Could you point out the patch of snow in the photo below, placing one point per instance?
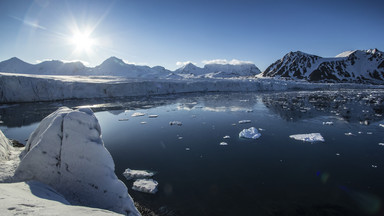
(36, 198)
(250, 133)
(145, 185)
(137, 174)
(66, 152)
(311, 137)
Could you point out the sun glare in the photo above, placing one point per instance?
(82, 41)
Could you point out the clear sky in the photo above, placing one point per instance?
(164, 32)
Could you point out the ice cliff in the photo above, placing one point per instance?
(67, 152)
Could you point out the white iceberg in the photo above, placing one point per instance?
(250, 133)
(311, 137)
(226, 137)
(145, 185)
(67, 153)
(137, 174)
(223, 143)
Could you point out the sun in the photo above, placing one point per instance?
(82, 41)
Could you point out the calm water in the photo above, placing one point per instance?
(273, 175)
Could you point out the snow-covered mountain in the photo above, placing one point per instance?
(215, 70)
(51, 67)
(359, 66)
(117, 67)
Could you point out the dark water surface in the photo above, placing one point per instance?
(273, 175)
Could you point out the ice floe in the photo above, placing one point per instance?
(137, 114)
(311, 137)
(244, 121)
(349, 134)
(328, 123)
(223, 143)
(226, 137)
(145, 185)
(250, 133)
(381, 125)
(137, 174)
(175, 123)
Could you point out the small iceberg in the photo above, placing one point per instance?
(244, 121)
(223, 143)
(328, 123)
(250, 133)
(311, 137)
(152, 116)
(175, 123)
(137, 114)
(226, 137)
(145, 185)
(137, 174)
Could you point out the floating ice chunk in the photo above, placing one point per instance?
(244, 121)
(152, 116)
(123, 119)
(137, 114)
(175, 123)
(261, 129)
(223, 143)
(143, 122)
(381, 144)
(250, 133)
(328, 123)
(369, 133)
(374, 166)
(145, 185)
(187, 149)
(226, 137)
(337, 154)
(137, 174)
(349, 134)
(381, 125)
(311, 137)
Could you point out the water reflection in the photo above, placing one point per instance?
(350, 105)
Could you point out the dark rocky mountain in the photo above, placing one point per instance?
(359, 66)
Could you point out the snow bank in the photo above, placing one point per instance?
(311, 137)
(5, 147)
(145, 185)
(35, 198)
(67, 153)
(250, 133)
(136, 174)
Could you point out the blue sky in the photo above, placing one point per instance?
(164, 32)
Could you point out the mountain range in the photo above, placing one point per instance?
(117, 67)
(358, 66)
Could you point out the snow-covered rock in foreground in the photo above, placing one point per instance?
(67, 153)
(35, 198)
(136, 174)
(250, 133)
(311, 137)
(145, 185)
